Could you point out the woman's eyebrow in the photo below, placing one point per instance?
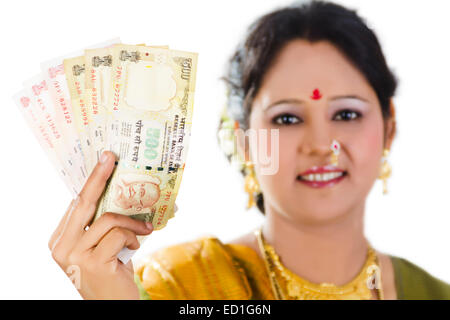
(299, 101)
(293, 100)
(356, 97)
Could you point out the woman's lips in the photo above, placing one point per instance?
(322, 170)
(322, 184)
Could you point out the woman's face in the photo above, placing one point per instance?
(344, 108)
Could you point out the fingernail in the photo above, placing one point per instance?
(104, 158)
(149, 225)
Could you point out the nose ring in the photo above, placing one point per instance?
(336, 148)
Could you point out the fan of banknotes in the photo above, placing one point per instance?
(134, 100)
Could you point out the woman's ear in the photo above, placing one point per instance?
(390, 127)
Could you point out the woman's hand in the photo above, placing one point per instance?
(89, 257)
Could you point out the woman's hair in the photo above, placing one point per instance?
(312, 21)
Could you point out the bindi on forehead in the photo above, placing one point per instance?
(316, 95)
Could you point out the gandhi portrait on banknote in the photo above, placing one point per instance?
(136, 191)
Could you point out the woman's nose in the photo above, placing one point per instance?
(316, 141)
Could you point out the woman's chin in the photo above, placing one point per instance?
(316, 214)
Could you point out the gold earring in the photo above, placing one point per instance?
(385, 171)
(336, 148)
(251, 185)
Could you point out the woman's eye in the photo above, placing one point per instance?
(347, 115)
(285, 119)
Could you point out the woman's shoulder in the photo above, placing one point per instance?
(202, 268)
(413, 282)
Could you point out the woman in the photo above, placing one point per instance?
(316, 74)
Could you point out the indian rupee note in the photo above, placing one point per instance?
(38, 89)
(74, 69)
(55, 77)
(54, 74)
(149, 118)
(37, 125)
(98, 64)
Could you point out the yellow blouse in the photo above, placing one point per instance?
(208, 269)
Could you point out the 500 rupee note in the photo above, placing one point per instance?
(98, 65)
(149, 117)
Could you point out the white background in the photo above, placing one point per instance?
(412, 221)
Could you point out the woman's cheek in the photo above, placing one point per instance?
(284, 153)
(267, 145)
(367, 150)
(288, 147)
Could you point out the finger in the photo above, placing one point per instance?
(64, 226)
(111, 244)
(62, 222)
(88, 198)
(106, 223)
(94, 186)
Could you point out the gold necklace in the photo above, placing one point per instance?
(301, 289)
